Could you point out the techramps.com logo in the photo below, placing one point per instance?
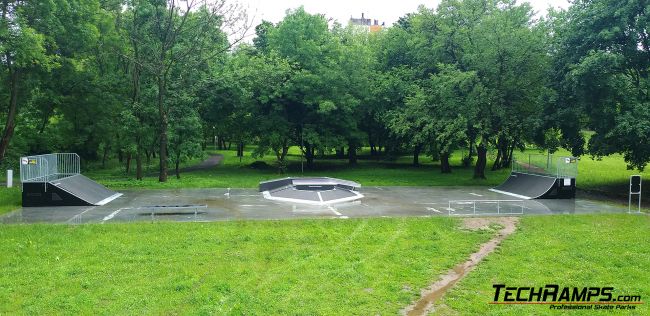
(565, 298)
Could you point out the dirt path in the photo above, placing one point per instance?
(435, 291)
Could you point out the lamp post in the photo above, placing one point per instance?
(214, 137)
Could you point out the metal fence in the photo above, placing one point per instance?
(486, 207)
(557, 166)
(44, 168)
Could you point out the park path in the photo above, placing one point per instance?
(430, 295)
(212, 161)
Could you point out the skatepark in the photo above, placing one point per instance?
(54, 191)
(202, 205)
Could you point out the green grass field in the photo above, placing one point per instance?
(607, 174)
(239, 174)
(334, 267)
(9, 199)
(576, 250)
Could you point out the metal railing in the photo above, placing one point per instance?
(45, 168)
(556, 166)
(486, 207)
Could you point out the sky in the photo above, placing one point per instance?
(341, 10)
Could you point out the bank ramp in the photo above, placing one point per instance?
(55, 180)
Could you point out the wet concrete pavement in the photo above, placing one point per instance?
(189, 205)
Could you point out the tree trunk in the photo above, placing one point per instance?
(371, 143)
(352, 155)
(309, 155)
(508, 161)
(10, 123)
(340, 153)
(280, 156)
(470, 153)
(416, 154)
(104, 157)
(481, 161)
(240, 149)
(128, 163)
(497, 162)
(138, 166)
(445, 167)
(162, 112)
(178, 171)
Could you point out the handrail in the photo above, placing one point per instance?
(474, 202)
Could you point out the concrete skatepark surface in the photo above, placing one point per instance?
(204, 205)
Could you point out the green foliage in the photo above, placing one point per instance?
(603, 62)
(124, 78)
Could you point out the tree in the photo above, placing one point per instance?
(318, 103)
(602, 56)
(180, 37)
(499, 41)
(25, 54)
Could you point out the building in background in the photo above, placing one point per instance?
(372, 25)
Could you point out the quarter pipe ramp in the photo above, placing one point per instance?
(533, 186)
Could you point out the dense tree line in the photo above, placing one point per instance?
(154, 79)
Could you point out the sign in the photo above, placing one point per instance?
(635, 189)
(570, 160)
(635, 184)
(28, 161)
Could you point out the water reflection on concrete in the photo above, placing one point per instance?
(198, 205)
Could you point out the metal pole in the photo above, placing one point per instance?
(629, 202)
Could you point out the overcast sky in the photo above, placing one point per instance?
(341, 10)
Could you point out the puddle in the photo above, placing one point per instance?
(435, 291)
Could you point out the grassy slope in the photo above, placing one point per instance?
(584, 250)
(265, 267)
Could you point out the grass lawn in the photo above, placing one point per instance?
(608, 174)
(365, 266)
(9, 199)
(576, 250)
(239, 174)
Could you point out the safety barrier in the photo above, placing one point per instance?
(45, 168)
